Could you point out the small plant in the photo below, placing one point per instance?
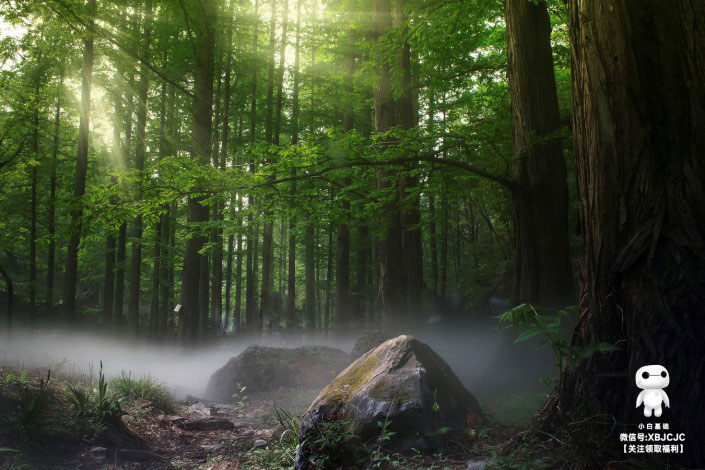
(239, 398)
(290, 423)
(28, 425)
(541, 322)
(126, 387)
(96, 405)
(333, 445)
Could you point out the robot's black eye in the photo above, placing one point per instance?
(664, 374)
(645, 375)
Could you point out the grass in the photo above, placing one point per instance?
(128, 388)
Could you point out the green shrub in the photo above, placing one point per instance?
(126, 387)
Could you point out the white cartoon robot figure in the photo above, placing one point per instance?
(652, 380)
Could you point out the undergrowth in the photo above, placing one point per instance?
(126, 387)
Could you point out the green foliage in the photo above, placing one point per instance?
(11, 378)
(551, 326)
(125, 387)
(290, 424)
(29, 425)
(95, 405)
(333, 444)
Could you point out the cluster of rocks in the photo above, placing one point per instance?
(399, 381)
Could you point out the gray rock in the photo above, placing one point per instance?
(207, 423)
(199, 409)
(97, 452)
(399, 381)
(212, 448)
(477, 465)
(260, 444)
(367, 341)
(263, 368)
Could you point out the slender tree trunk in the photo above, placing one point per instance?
(133, 309)
(51, 224)
(309, 272)
(250, 289)
(342, 246)
(166, 264)
(543, 274)
(268, 232)
(71, 270)
(218, 253)
(33, 204)
(237, 314)
(290, 309)
(159, 249)
(639, 147)
(444, 248)
(329, 275)
(10, 299)
(433, 246)
(121, 262)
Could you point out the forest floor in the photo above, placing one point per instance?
(52, 434)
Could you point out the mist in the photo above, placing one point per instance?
(472, 351)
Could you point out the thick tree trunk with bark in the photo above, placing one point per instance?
(195, 266)
(71, 270)
(542, 269)
(639, 126)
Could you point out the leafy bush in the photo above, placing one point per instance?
(550, 326)
(29, 424)
(126, 387)
(333, 445)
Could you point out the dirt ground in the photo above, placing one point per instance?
(166, 442)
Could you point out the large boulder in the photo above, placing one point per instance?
(402, 383)
(264, 368)
(367, 341)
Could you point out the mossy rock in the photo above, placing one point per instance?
(264, 369)
(367, 341)
(403, 382)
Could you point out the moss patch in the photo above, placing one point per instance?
(347, 384)
(388, 391)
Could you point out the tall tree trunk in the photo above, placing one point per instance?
(71, 270)
(639, 132)
(195, 266)
(392, 292)
(218, 253)
(159, 249)
(342, 246)
(250, 290)
(268, 231)
(166, 264)
(121, 261)
(543, 274)
(410, 202)
(51, 224)
(133, 308)
(290, 308)
(33, 202)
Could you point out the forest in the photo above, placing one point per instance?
(247, 221)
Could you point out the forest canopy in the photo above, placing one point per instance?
(271, 164)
